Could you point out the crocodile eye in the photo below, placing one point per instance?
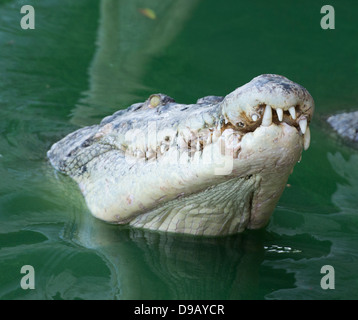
(154, 102)
(240, 124)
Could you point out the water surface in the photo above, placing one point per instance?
(85, 60)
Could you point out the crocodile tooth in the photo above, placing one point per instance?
(307, 139)
(303, 125)
(150, 154)
(219, 125)
(162, 148)
(267, 118)
(215, 136)
(279, 112)
(181, 143)
(292, 112)
(198, 144)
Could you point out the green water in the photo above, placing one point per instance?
(85, 60)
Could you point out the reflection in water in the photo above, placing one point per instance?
(126, 42)
(345, 197)
(153, 265)
(338, 235)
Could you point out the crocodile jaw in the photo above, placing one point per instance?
(273, 152)
(245, 198)
(187, 197)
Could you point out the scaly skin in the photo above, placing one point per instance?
(215, 167)
(346, 125)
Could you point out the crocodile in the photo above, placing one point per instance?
(216, 167)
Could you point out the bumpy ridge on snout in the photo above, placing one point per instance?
(270, 99)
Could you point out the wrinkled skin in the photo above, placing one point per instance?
(213, 168)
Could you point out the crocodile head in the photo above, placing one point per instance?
(212, 168)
